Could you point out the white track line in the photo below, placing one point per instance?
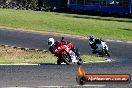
(17, 87)
(71, 86)
(129, 41)
(108, 40)
(18, 64)
(108, 60)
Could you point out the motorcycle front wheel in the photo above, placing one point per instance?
(107, 52)
(80, 62)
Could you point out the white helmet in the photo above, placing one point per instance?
(51, 41)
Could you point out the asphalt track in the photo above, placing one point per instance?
(61, 75)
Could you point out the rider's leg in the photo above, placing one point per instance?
(73, 56)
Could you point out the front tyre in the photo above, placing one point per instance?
(80, 62)
(107, 52)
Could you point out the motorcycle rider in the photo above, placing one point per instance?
(94, 43)
(63, 41)
(52, 43)
(73, 49)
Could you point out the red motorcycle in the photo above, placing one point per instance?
(62, 52)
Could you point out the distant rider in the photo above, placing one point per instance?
(94, 43)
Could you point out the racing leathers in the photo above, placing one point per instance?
(61, 43)
(94, 44)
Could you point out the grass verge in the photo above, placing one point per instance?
(102, 27)
(88, 59)
(15, 56)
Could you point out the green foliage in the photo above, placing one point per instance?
(32, 3)
(87, 58)
(102, 27)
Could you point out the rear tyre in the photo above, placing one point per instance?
(93, 52)
(59, 61)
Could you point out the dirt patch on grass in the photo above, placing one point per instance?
(10, 55)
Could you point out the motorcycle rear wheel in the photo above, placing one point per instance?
(59, 61)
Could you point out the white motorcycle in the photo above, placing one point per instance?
(101, 49)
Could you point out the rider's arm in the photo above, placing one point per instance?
(51, 49)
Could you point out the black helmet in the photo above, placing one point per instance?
(92, 38)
